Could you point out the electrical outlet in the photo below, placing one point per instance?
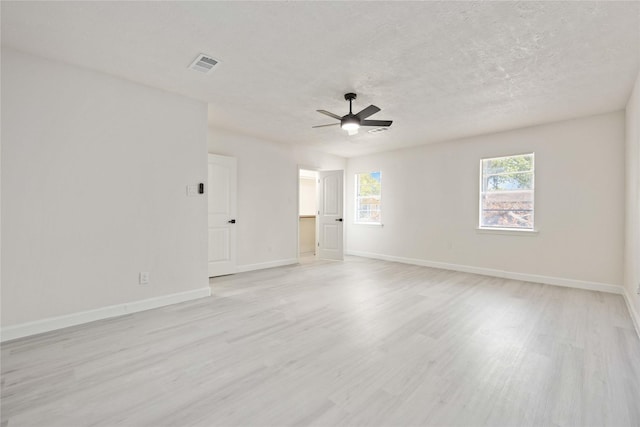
(144, 278)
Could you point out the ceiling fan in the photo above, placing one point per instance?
(352, 122)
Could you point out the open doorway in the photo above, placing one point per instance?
(307, 212)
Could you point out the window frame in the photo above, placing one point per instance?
(508, 230)
(357, 196)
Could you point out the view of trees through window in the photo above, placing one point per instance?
(368, 187)
(506, 194)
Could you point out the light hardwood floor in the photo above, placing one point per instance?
(362, 342)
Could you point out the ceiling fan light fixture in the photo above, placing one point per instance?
(350, 123)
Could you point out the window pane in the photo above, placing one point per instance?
(509, 181)
(368, 186)
(512, 209)
(506, 197)
(522, 163)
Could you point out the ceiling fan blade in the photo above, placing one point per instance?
(370, 110)
(324, 126)
(379, 123)
(335, 116)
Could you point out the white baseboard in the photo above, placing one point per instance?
(59, 322)
(263, 265)
(635, 316)
(557, 281)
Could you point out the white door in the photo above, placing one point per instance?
(222, 215)
(330, 218)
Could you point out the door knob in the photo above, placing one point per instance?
(232, 221)
(339, 219)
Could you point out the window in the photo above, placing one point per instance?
(506, 192)
(368, 197)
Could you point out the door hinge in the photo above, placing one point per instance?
(318, 244)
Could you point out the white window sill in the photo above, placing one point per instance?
(507, 231)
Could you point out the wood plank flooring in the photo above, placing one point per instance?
(363, 342)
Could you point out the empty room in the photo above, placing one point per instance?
(320, 213)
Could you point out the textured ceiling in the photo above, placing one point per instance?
(440, 70)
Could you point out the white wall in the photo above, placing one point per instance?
(632, 223)
(267, 194)
(430, 202)
(94, 170)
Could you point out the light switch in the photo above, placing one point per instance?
(144, 278)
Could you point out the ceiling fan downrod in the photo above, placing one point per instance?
(350, 97)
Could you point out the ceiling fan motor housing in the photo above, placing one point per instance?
(350, 122)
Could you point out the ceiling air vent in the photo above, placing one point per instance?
(204, 64)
